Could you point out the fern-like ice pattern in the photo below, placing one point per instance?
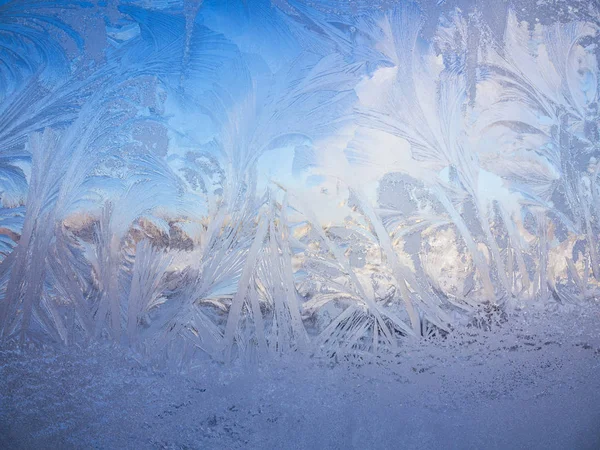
(241, 179)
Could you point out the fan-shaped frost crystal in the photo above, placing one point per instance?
(249, 178)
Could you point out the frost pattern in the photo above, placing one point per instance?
(238, 179)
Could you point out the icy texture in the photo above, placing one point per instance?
(237, 179)
(531, 383)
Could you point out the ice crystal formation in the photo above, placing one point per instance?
(234, 179)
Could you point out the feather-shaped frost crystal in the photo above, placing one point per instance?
(239, 179)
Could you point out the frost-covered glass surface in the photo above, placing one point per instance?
(238, 178)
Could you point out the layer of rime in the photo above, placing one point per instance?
(210, 179)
